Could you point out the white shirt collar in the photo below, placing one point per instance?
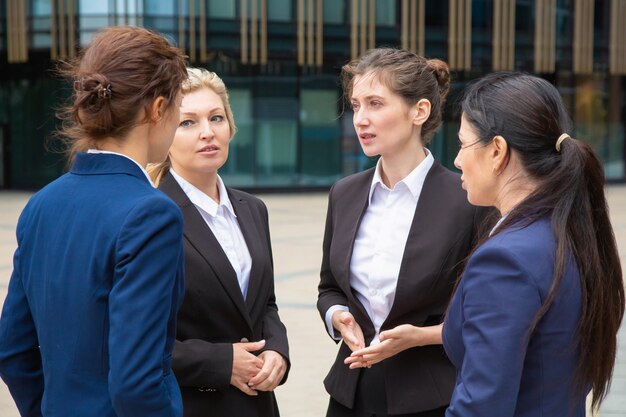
(125, 156)
(414, 181)
(201, 199)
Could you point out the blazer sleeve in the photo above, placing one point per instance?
(148, 257)
(499, 301)
(202, 364)
(20, 358)
(329, 292)
(274, 331)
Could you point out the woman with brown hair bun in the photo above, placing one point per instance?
(88, 324)
(395, 239)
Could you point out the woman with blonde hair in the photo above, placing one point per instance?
(231, 348)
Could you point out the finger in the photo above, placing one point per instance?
(246, 389)
(252, 346)
(260, 376)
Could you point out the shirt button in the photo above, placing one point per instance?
(244, 340)
(373, 293)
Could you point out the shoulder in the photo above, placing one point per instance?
(351, 186)
(254, 202)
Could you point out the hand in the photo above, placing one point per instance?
(394, 341)
(274, 367)
(350, 330)
(246, 365)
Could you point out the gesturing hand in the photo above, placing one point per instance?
(394, 341)
(246, 365)
(350, 330)
(274, 367)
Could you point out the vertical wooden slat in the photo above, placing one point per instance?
(468, 35)
(539, 40)
(552, 43)
(62, 30)
(363, 22)
(71, 16)
(181, 26)
(421, 49)
(371, 35)
(244, 31)
(511, 63)
(254, 32)
(497, 34)
(354, 33)
(202, 28)
(301, 43)
(577, 36)
(263, 32)
(309, 33)
(192, 30)
(413, 27)
(452, 35)
(622, 45)
(53, 30)
(613, 51)
(10, 30)
(404, 31)
(319, 47)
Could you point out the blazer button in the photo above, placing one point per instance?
(244, 340)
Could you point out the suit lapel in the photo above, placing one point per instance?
(255, 243)
(423, 229)
(203, 240)
(351, 210)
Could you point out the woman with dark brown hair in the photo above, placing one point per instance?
(533, 323)
(88, 325)
(394, 241)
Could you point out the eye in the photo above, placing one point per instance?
(185, 123)
(217, 118)
(354, 106)
(376, 103)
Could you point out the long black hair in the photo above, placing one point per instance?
(529, 114)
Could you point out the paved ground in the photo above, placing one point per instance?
(297, 227)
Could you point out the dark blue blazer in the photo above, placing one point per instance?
(502, 371)
(88, 325)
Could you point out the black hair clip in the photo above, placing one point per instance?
(105, 92)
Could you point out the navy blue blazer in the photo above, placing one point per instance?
(502, 371)
(88, 325)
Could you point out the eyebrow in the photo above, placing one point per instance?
(370, 97)
(193, 113)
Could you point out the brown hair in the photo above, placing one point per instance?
(408, 75)
(122, 71)
(199, 78)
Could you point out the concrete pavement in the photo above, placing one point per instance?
(297, 223)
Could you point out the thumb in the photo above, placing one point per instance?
(253, 346)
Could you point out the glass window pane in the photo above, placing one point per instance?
(222, 9)
(161, 7)
(385, 12)
(334, 11)
(279, 10)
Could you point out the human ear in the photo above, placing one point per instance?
(499, 154)
(421, 112)
(157, 110)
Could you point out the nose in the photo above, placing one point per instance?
(360, 117)
(457, 161)
(205, 130)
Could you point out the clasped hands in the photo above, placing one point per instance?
(253, 373)
(392, 341)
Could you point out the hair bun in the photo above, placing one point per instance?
(96, 85)
(442, 74)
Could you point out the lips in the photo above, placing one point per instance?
(366, 136)
(208, 148)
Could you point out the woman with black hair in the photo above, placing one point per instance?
(533, 322)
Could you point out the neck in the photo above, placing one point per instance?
(205, 182)
(134, 145)
(510, 198)
(396, 167)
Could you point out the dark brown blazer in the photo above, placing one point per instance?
(214, 314)
(439, 239)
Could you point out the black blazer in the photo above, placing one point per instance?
(214, 314)
(439, 239)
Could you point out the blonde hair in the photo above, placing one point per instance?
(199, 78)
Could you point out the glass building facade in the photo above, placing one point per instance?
(281, 61)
